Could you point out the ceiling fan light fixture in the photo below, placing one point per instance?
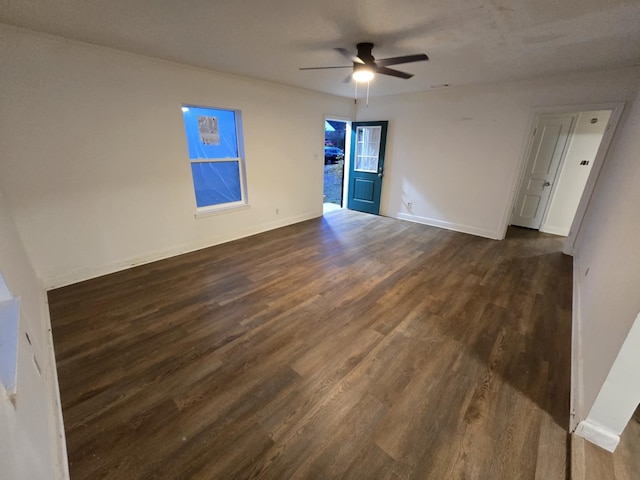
(365, 66)
(363, 74)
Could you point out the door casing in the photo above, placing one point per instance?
(617, 109)
(541, 184)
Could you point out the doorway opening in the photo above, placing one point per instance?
(336, 139)
(565, 153)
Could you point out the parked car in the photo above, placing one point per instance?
(332, 155)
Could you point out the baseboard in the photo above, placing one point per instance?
(576, 413)
(598, 435)
(58, 281)
(56, 423)
(456, 227)
(563, 232)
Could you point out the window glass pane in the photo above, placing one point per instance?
(367, 149)
(211, 133)
(216, 183)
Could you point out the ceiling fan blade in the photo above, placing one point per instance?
(347, 54)
(393, 73)
(385, 62)
(324, 68)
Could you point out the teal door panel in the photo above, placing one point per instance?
(366, 168)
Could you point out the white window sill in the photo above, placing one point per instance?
(220, 211)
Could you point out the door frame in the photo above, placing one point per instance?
(617, 109)
(563, 155)
(347, 154)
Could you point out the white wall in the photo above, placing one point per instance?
(572, 178)
(31, 435)
(607, 277)
(620, 394)
(456, 154)
(95, 162)
(618, 398)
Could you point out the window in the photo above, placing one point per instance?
(9, 318)
(214, 138)
(367, 148)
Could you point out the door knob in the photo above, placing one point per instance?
(380, 174)
(546, 184)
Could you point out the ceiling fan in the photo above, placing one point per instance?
(365, 66)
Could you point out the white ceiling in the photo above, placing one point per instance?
(468, 41)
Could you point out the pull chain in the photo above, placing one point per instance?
(368, 83)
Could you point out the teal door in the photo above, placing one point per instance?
(366, 168)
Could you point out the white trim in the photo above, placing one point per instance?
(242, 164)
(518, 172)
(553, 230)
(347, 165)
(598, 435)
(616, 111)
(614, 120)
(209, 210)
(76, 276)
(456, 227)
(538, 117)
(56, 422)
(577, 370)
(556, 176)
(357, 153)
(215, 160)
(204, 212)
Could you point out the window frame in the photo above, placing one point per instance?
(360, 148)
(208, 210)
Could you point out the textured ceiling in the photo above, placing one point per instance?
(468, 41)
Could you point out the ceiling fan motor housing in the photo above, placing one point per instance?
(364, 53)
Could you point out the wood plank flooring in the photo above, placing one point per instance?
(590, 462)
(351, 346)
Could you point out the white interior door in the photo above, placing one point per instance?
(549, 143)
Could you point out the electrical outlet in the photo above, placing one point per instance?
(277, 211)
(409, 205)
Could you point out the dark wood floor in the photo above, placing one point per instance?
(352, 346)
